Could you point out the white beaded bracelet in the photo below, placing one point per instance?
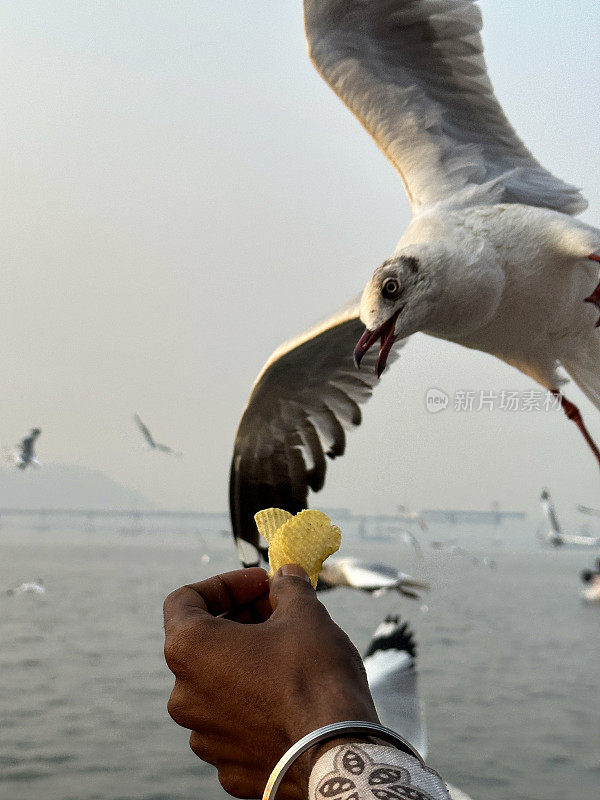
(333, 731)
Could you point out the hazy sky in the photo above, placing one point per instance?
(182, 192)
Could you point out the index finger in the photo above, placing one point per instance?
(215, 595)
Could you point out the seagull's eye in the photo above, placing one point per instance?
(390, 289)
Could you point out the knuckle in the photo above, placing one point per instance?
(178, 646)
(201, 746)
(171, 600)
(177, 707)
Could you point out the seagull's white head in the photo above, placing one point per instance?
(398, 301)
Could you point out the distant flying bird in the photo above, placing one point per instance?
(149, 438)
(456, 550)
(593, 512)
(412, 516)
(23, 455)
(31, 587)
(406, 536)
(493, 258)
(375, 578)
(553, 534)
(391, 666)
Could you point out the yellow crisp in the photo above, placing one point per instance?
(269, 520)
(306, 539)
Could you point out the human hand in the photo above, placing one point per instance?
(249, 691)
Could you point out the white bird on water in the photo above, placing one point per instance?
(493, 258)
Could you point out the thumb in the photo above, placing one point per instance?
(290, 585)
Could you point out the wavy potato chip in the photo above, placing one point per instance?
(306, 539)
(269, 520)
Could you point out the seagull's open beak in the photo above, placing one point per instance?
(386, 333)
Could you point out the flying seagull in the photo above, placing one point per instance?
(374, 578)
(391, 666)
(493, 258)
(412, 516)
(406, 536)
(149, 438)
(29, 587)
(553, 534)
(390, 662)
(593, 512)
(23, 455)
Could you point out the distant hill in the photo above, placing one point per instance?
(66, 486)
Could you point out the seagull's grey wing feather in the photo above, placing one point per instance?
(145, 431)
(305, 397)
(413, 73)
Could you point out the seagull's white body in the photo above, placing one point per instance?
(591, 595)
(513, 284)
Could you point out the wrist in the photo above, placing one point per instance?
(352, 737)
(296, 781)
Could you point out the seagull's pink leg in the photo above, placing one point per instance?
(574, 414)
(595, 295)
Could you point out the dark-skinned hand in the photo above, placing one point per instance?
(250, 685)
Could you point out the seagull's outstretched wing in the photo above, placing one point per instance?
(145, 431)
(164, 448)
(550, 512)
(594, 512)
(413, 73)
(581, 540)
(410, 539)
(306, 394)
